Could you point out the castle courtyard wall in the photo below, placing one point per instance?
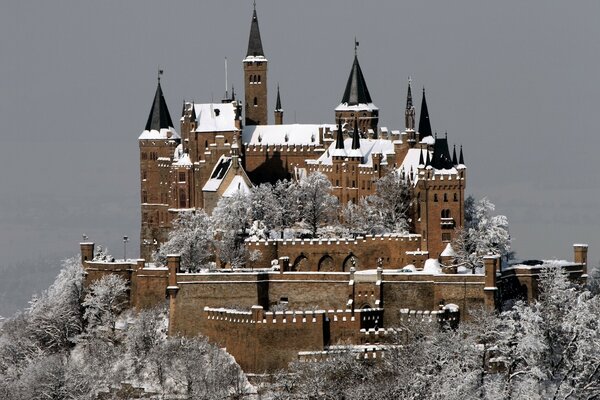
(395, 250)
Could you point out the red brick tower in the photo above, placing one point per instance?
(255, 78)
(157, 144)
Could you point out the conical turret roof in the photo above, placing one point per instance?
(278, 102)
(424, 124)
(159, 117)
(356, 88)
(159, 124)
(255, 47)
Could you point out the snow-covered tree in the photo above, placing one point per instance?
(105, 300)
(55, 316)
(318, 205)
(287, 208)
(392, 199)
(550, 347)
(192, 238)
(483, 233)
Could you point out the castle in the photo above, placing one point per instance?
(323, 292)
(214, 154)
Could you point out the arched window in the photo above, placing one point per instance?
(255, 102)
(445, 197)
(455, 197)
(258, 80)
(435, 198)
(250, 78)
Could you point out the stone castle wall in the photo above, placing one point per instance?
(335, 255)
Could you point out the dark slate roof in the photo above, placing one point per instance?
(441, 155)
(355, 136)
(254, 43)
(454, 159)
(159, 117)
(409, 103)
(424, 124)
(339, 140)
(278, 102)
(356, 88)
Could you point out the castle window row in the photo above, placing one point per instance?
(436, 199)
(254, 79)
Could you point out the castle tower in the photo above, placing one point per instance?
(356, 102)
(440, 193)
(157, 144)
(424, 124)
(255, 77)
(278, 109)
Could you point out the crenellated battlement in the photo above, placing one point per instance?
(411, 237)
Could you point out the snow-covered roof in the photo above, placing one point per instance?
(254, 58)
(411, 161)
(430, 140)
(290, 134)
(238, 184)
(432, 266)
(368, 147)
(448, 251)
(217, 175)
(164, 133)
(183, 161)
(357, 107)
(215, 117)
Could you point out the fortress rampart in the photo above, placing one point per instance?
(338, 255)
(322, 309)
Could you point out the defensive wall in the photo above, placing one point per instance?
(361, 302)
(283, 334)
(338, 255)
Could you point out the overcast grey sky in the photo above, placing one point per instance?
(516, 83)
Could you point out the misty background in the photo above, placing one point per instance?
(516, 83)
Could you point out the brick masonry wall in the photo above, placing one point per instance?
(318, 253)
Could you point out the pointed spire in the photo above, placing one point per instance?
(424, 124)
(278, 102)
(193, 111)
(355, 136)
(421, 161)
(254, 42)
(461, 159)
(409, 100)
(427, 160)
(454, 161)
(356, 88)
(339, 140)
(159, 117)
(183, 109)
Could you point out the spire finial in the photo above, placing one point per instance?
(355, 46)
(160, 72)
(254, 5)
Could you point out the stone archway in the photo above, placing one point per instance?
(326, 264)
(350, 261)
(300, 263)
